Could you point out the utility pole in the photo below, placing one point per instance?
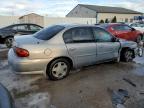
(96, 17)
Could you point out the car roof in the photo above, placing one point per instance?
(77, 25)
(22, 24)
(26, 24)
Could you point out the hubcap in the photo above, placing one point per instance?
(9, 42)
(59, 70)
(128, 55)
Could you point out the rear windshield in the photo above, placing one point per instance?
(49, 32)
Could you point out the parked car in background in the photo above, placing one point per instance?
(7, 33)
(138, 26)
(123, 31)
(55, 50)
(6, 100)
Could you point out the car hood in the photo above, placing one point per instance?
(125, 43)
(26, 39)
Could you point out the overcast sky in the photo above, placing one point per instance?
(54, 8)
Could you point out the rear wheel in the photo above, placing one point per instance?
(8, 42)
(58, 69)
(127, 55)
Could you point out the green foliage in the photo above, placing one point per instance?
(106, 20)
(114, 20)
(101, 21)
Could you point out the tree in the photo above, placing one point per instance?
(101, 21)
(106, 20)
(114, 20)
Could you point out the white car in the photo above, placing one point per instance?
(138, 26)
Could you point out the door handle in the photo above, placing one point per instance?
(72, 49)
(101, 46)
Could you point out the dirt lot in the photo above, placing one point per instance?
(87, 88)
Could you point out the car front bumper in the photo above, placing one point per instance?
(25, 65)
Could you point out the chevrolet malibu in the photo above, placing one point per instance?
(57, 49)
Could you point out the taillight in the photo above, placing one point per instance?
(21, 52)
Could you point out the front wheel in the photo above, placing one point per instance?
(58, 69)
(8, 42)
(127, 55)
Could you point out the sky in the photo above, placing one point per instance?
(59, 8)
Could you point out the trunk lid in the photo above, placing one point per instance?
(26, 39)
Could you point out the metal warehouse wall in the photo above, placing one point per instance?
(8, 20)
(50, 21)
(32, 18)
(120, 17)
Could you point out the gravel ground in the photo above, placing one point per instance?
(87, 88)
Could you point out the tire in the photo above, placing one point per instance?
(58, 69)
(127, 55)
(8, 42)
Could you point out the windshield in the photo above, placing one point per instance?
(49, 32)
(137, 25)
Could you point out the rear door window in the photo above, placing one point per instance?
(22, 27)
(14, 27)
(34, 28)
(78, 35)
(47, 33)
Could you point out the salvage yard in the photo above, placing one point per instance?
(88, 87)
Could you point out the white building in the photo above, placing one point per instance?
(103, 13)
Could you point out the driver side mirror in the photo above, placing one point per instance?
(133, 29)
(114, 39)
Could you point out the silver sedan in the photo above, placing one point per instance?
(55, 50)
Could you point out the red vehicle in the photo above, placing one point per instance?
(123, 31)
